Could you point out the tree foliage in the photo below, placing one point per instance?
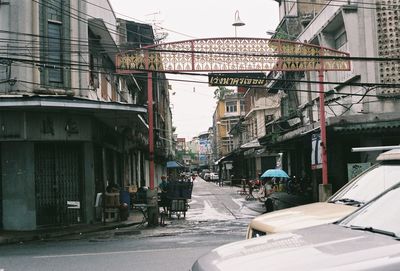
(221, 91)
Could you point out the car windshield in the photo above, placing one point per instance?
(369, 184)
(379, 216)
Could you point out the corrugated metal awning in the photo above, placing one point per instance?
(252, 144)
(223, 158)
(370, 126)
(219, 160)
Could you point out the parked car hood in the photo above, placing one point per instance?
(301, 217)
(325, 247)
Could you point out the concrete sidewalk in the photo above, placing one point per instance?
(10, 237)
(283, 200)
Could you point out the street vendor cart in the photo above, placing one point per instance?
(178, 194)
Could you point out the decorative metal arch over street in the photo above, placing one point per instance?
(233, 55)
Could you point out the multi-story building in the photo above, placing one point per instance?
(136, 35)
(204, 152)
(182, 149)
(200, 149)
(181, 144)
(294, 16)
(70, 125)
(193, 149)
(228, 112)
(210, 153)
(261, 108)
(361, 105)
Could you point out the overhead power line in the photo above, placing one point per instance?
(47, 64)
(341, 3)
(140, 21)
(79, 18)
(278, 55)
(296, 56)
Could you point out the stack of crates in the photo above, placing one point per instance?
(111, 211)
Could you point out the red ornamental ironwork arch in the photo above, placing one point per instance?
(233, 54)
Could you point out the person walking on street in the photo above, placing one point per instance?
(269, 188)
(163, 186)
(220, 180)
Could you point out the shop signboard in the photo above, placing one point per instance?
(316, 151)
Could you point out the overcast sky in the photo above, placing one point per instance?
(192, 103)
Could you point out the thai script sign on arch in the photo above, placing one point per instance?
(237, 79)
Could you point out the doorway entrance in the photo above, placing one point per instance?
(58, 180)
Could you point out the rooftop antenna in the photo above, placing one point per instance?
(159, 34)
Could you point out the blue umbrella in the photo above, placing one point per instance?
(277, 173)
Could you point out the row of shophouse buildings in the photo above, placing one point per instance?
(278, 125)
(69, 124)
(198, 152)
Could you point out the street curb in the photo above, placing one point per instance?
(128, 232)
(35, 236)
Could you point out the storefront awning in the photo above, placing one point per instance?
(174, 164)
(224, 158)
(111, 113)
(252, 144)
(365, 127)
(219, 160)
(293, 134)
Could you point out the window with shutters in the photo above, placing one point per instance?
(55, 52)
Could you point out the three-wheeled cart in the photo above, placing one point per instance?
(178, 194)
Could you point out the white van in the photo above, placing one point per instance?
(367, 239)
(354, 194)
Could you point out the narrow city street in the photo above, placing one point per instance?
(261, 107)
(217, 215)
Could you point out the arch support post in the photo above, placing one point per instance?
(325, 189)
(151, 195)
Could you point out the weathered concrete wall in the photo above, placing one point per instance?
(17, 162)
(19, 17)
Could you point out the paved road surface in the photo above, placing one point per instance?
(217, 215)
